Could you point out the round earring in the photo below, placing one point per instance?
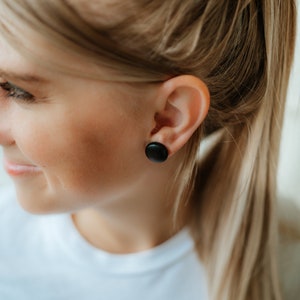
(156, 152)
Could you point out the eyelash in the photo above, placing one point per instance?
(12, 91)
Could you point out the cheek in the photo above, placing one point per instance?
(83, 154)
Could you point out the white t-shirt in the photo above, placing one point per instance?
(45, 258)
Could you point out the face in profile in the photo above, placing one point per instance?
(69, 142)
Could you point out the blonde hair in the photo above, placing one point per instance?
(243, 51)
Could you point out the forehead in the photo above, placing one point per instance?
(34, 54)
(67, 43)
(10, 59)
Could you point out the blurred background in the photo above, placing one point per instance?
(289, 164)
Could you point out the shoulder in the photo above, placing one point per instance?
(7, 198)
(12, 216)
(289, 248)
(6, 190)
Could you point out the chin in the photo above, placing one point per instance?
(35, 203)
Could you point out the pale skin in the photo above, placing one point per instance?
(85, 141)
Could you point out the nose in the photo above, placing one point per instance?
(6, 138)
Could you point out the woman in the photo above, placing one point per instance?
(110, 101)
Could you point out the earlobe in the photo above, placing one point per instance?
(184, 105)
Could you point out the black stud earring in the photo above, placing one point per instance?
(156, 152)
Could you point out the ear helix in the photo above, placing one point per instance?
(156, 152)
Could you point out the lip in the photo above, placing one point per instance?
(19, 169)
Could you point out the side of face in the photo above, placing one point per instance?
(86, 136)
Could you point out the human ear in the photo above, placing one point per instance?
(183, 103)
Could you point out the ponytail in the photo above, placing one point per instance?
(235, 221)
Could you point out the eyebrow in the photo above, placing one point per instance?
(30, 78)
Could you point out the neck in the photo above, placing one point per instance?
(139, 220)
